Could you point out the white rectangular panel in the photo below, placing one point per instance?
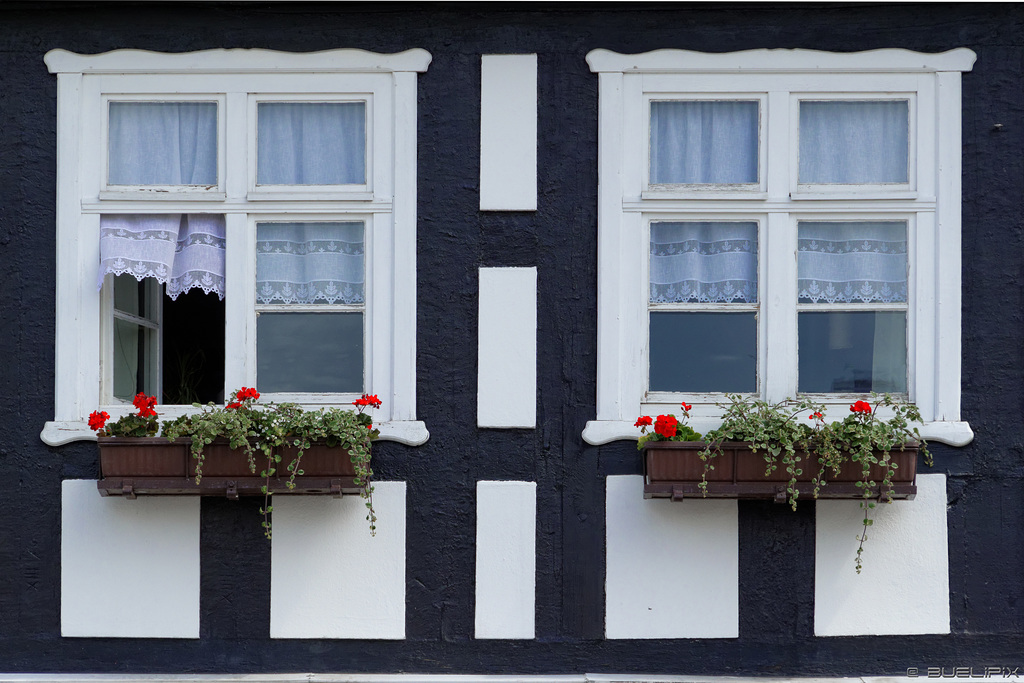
(506, 558)
(508, 133)
(507, 348)
(144, 551)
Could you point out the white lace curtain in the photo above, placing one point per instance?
(306, 263)
(311, 143)
(703, 262)
(845, 262)
(854, 142)
(695, 142)
(181, 251)
(163, 143)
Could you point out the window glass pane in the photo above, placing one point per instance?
(844, 262)
(704, 142)
(163, 143)
(309, 352)
(703, 352)
(854, 142)
(311, 143)
(703, 262)
(853, 351)
(135, 358)
(308, 263)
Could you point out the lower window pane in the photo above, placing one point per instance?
(853, 352)
(134, 359)
(309, 352)
(703, 352)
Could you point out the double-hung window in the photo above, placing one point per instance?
(236, 218)
(778, 223)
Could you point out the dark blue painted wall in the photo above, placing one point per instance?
(986, 485)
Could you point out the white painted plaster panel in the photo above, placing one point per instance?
(508, 133)
(144, 551)
(506, 558)
(672, 566)
(507, 348)
(329, 577)
(905, 559)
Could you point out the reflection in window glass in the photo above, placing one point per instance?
(853, 351)
(696, 142)
(854, 142)
(309, 352)
(162, 143)
(311, 143)
(703, 352)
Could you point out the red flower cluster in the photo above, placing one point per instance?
(686, 407)
(644, 421)
(666, 426)
(245, 394)
(861, 407)
(145, 404)
(233, 406)
(97, 420)
(367, 400)
(815, 415)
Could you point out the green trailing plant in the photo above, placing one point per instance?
(265, 433)
(778, 433)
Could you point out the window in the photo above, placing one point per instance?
(250, 221)
(778, 223)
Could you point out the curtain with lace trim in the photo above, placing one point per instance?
(180, 251)
(308, 263)
(703, 262)
(846, 262)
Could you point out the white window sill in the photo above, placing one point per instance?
(408, 432)
(599, 432)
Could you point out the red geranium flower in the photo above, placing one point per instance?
(644, 421)
(861, 407)
(367, 400)
(686, 406)
(233, 406)
(145, 404)
(666, 426)
(246, 393)
(97, 420)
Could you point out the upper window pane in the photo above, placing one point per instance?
(162, 143)
(703, 262)
(854, 142)
(311, 143)
(849, 262)
(699, 142)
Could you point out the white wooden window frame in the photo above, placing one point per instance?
(929, 202)
(237, 79)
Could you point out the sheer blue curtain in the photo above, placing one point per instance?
(162, 143)
(306, 263)
(844, 262)
(311, 143)
(854, 142)
(698, 142)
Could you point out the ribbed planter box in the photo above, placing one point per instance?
(673, 469)
(155, 466)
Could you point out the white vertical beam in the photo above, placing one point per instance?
(947, 253)
(507, 348)
(506, 558)
(508, 132)
(329, 577)
(239, 304)
(403, 373)
(144, 551)
(906, 559)
(672, 567)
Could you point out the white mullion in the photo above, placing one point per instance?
(235, 142)
(923, 328)
(239, 303)
(779, 275)
(378, 322)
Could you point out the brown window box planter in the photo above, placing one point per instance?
(673, 469)
(155, 466)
